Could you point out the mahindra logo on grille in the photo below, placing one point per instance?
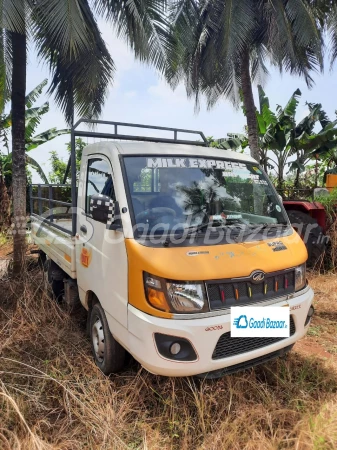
(258, 276)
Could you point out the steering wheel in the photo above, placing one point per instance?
(155, 213)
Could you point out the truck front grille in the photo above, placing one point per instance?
(229, 346)
(222, 294)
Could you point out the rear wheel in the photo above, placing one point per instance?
(53, 277)
(109, 355)
(311, 233)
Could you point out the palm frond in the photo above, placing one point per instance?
(293, 37)
(143, 24)
(236, 29)
(67, 23)
(184, 24)
(5, 67)
(228, 30)
(332, 31)
(212, 35)
(67, 36)
(259, 70)
(13, 15)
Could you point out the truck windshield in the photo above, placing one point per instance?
(171, 194)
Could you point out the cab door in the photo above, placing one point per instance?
(101, 253)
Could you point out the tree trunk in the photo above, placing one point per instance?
(316, 171)
(18, 149)
(280, 173)
(298, 171)
(250, 108)
(297, 178)
(280, 180)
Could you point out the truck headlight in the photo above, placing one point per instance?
(175, 296)
(300, 277)
(186, 297)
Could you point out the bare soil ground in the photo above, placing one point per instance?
(52, 396)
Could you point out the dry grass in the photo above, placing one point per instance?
(53, 397)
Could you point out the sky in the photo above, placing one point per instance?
(140, 95)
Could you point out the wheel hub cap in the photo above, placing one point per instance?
(98, 339)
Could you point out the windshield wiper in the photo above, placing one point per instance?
(261, 226)
(264, 226)
(195, 228)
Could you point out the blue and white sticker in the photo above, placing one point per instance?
(260, 321)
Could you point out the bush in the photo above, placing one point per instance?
(330, 204)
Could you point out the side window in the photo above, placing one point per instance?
(99, 180)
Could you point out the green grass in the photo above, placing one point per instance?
(3, 239)
(315, 330)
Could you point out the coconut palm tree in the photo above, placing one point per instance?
(220, 46)
(33, 117)
(66, 36)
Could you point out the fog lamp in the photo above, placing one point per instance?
(175, 348)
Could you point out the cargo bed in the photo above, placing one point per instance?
(52, 225)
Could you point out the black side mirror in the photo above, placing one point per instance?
(116, 223)
(105, 210)
(102, 208)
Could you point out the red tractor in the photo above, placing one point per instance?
(311, 216)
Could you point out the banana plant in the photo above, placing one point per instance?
(33, 117)
(282, 138)
(233, 141)
(309, 144)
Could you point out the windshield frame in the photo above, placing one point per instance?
(136, 233)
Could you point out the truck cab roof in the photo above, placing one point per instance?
(155, 148)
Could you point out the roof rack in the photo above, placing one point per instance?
(116, 135)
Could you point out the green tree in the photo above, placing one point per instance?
(281, 138)
(221, 46)
(67, 37)
(233, 141)
(33, 117)
(59, 166)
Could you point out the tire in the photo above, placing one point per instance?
(316, 240)
(53, 279)
(108, 354)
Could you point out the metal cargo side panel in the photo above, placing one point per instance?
(56, 245)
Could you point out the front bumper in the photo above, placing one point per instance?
(203, 333)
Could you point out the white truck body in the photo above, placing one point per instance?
(103, 263)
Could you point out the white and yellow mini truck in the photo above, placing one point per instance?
(161, 238)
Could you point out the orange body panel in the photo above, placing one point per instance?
(213, 262)
(331, 181)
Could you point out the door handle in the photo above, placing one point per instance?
(83, 228)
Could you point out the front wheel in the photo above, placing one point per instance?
(109, 355)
